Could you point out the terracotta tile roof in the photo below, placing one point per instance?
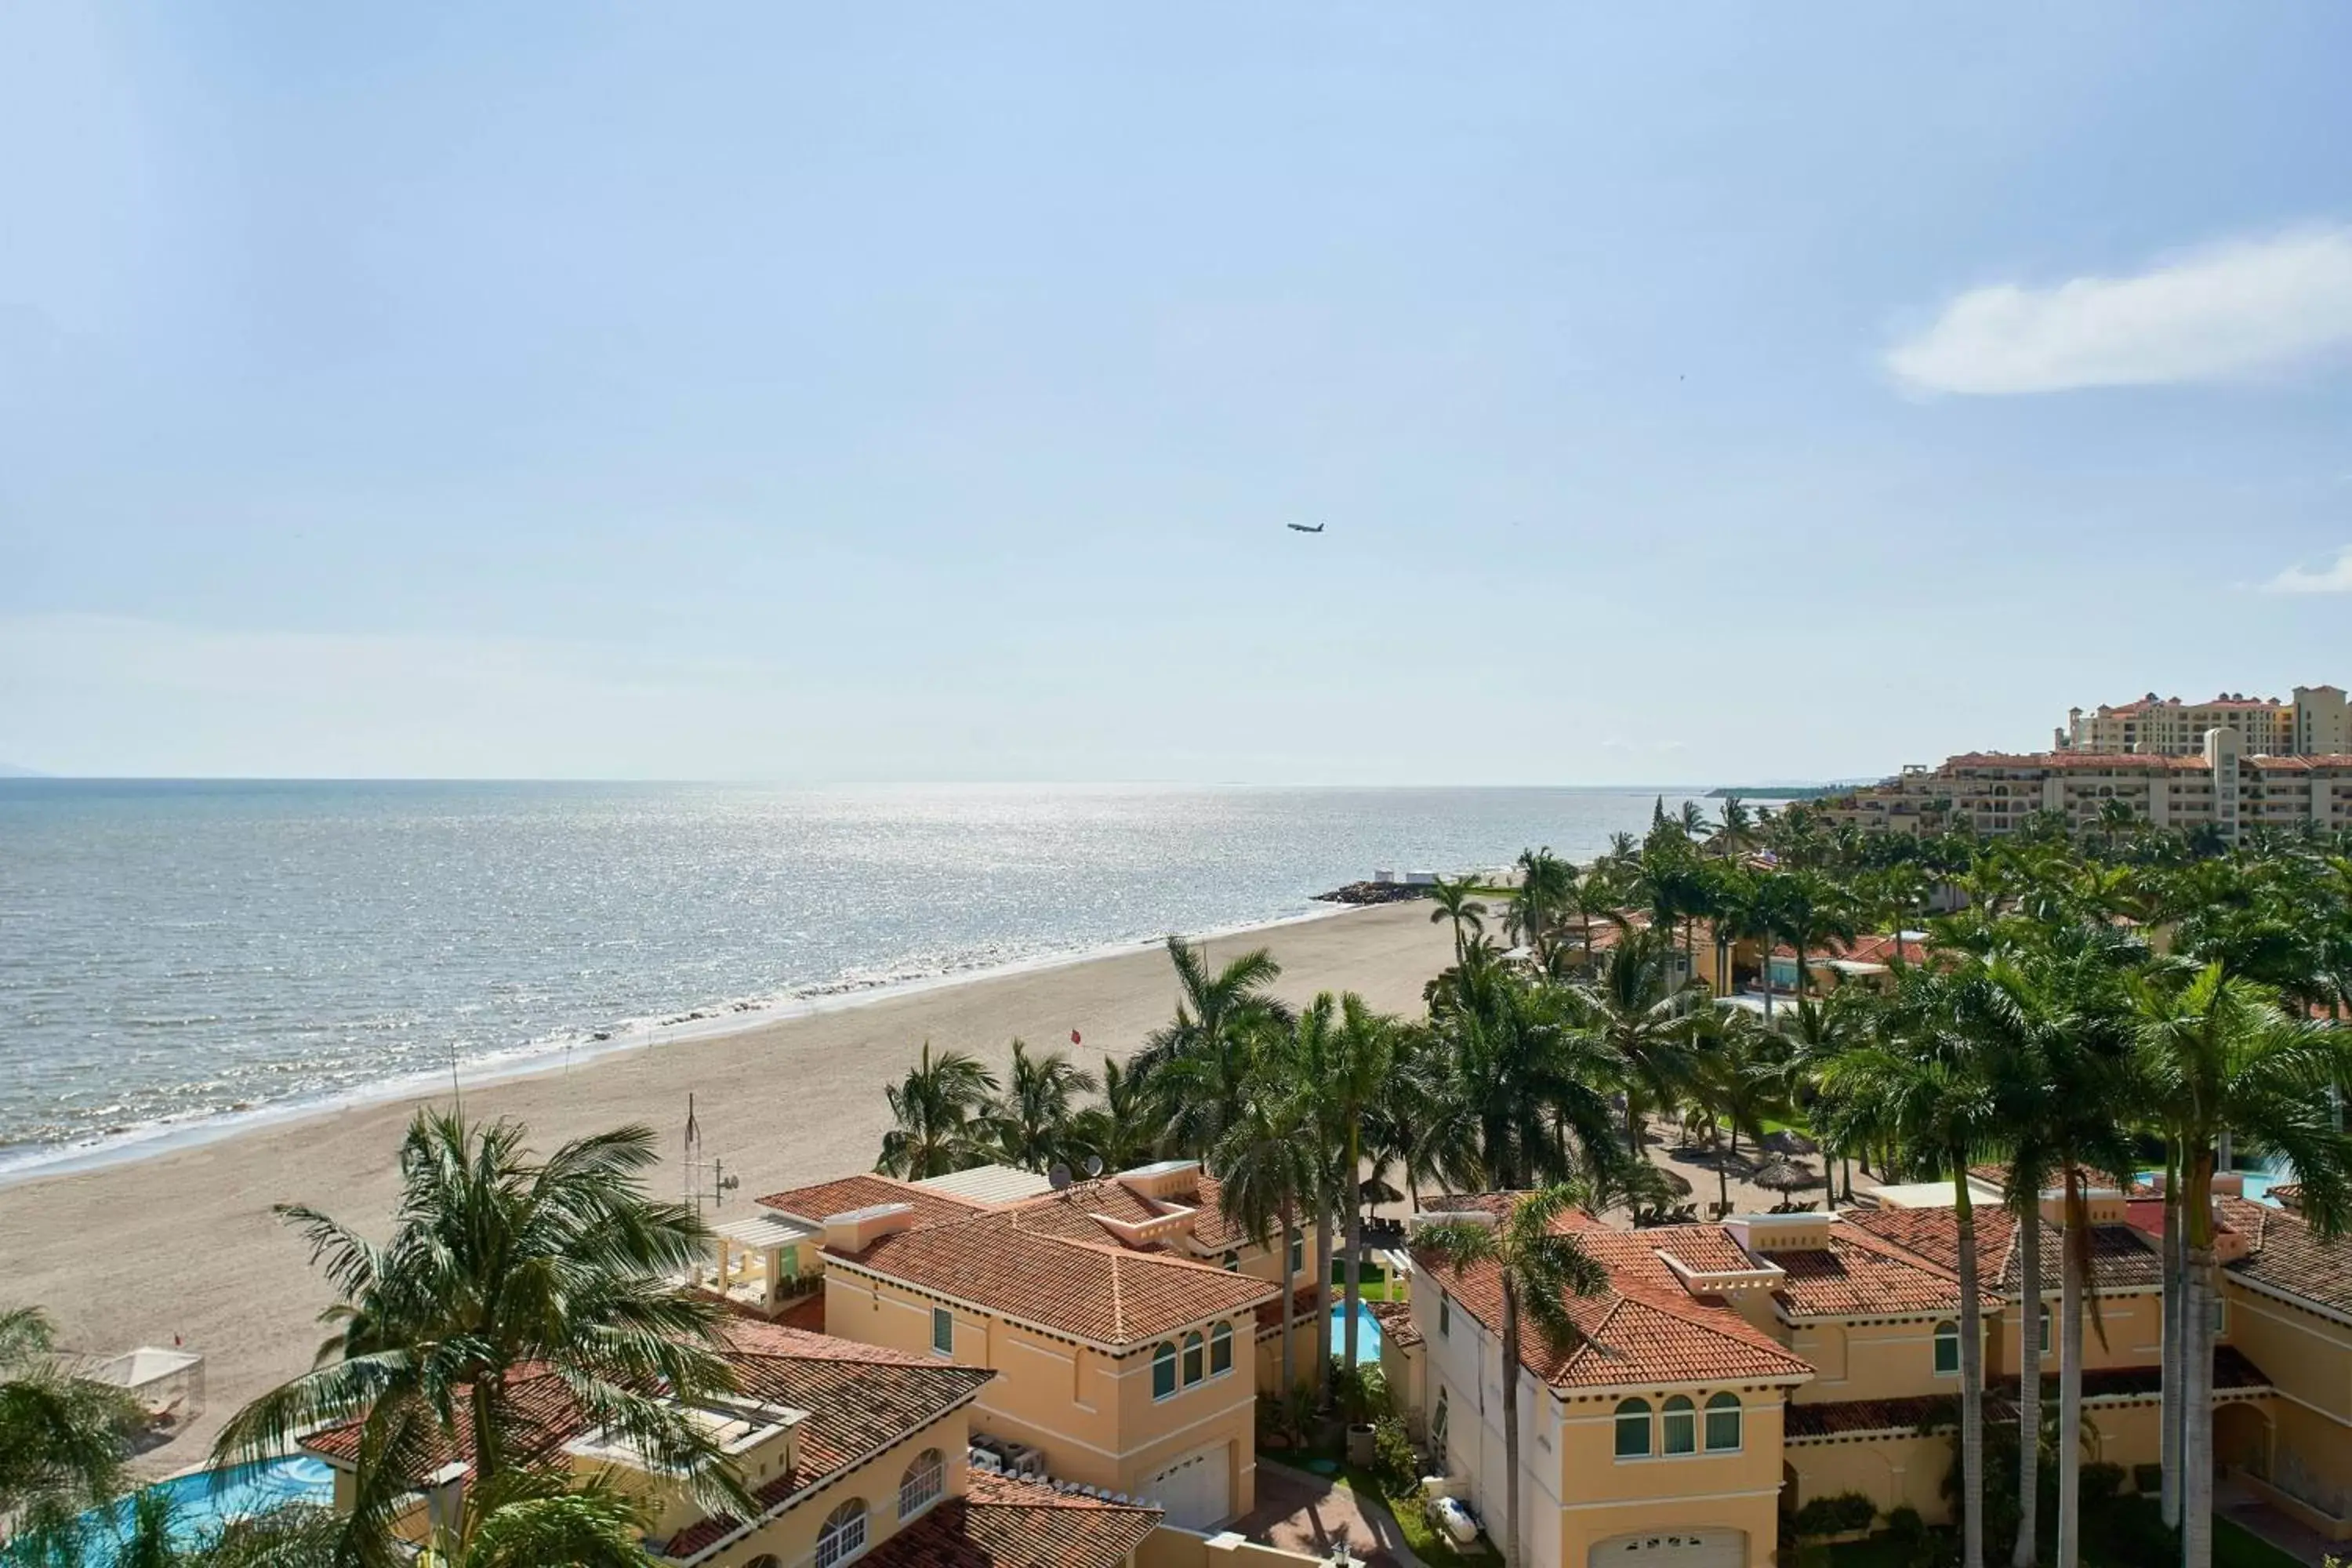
(1269, 1311)
(820, 1199)
(1001, 1522)
(1859, 1276)
(1397, 1327)
(859, 1398)
(2232, 1373)
(2289, 1257)
(1640, 1331)
(2121, 1259)
(1023, 1263)
(857, 1405)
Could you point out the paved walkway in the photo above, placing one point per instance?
(2239, 1505)
(1300, 1511)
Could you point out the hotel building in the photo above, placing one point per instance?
(1734, 1372)
(2316, 722)
(2226, 785)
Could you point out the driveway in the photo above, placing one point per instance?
(1300, 1511)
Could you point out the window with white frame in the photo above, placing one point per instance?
(1220, 1350)
(1194, 1367)
(1678, 1426)
(1947, 1348)
(921, 1486)
(1722, 1423)
(943, 1331)
(842, 1534)
(1163, 1370)
(1634, 1429)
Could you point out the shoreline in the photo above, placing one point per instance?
(704, 1021)
(180, 1244)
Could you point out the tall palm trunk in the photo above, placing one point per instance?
(2197, 1375)
(2176, 1317)
(1971, 1374)
(2074, 1246)
(1323, 1304)
(1351, 1251)
(1289, 1302)
(1510, 1542)
(2029, 1391)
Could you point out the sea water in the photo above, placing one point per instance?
(176, 953)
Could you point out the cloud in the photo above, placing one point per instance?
(2336, 579)
(2229, 312)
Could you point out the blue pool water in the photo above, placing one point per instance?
(203, 1502)
(1368, 1333)
(2258, 1184)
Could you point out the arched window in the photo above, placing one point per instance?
(1163, 1370)
(1220, 1350)
(1193, 1370)
(1634, 1429)
(1722, 1423)
(1233, 1261)
(1437, 1428)
(1298, 1253)
(2045, 1328)
(842, 1534)
(765, 1560)
(1444, 1315)
(1677, 1427)
(1947, 1348)
(921, 1486)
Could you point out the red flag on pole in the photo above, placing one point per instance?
(1073, 1038)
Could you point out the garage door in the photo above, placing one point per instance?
(1673, 1549)
(1197, 1490)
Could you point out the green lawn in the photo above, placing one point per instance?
(1429, 1544)
(2234, 1546)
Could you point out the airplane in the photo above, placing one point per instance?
(1302, 528)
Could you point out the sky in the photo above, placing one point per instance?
(1696, 393)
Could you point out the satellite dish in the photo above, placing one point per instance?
(1094, 1165)
(1060, 1176)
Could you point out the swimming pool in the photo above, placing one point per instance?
(2258, 1184)
(1368, 1333)
(203, 1502)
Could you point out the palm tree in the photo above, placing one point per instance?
(1638, 1010)
(1219, 1017)
(1123, 1130)
(2217, 1056)
(1540, 1267)
(1734, 833)
(1455, 901)
(1807, 912)
(1545, 885)
(1032, 1119)
(1359, 1059)
(496, 1262)
(1514, 1096)
(1739, 1073)
(1265, 1173)
(1922, 1089)
(61, 1439)
(940, 1108)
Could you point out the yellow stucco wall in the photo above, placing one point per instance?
(2306, 1356)
(2134, 1326)
(792, 1536)
(1091, 1413)
(1171, 1548)
(1893, 1472)
(1893, 1359)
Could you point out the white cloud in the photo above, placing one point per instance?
(2336, 579)
(2229, 312)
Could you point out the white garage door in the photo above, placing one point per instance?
(1673, 1549)
(1197, 1490)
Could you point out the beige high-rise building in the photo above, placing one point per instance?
(2225, 785)
(2317, 722)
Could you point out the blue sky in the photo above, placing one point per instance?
(1692, 394)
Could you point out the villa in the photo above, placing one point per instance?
(1734, 1370)
(1130, 1324)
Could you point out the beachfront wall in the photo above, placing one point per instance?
(2133, 1322)
(1088, 1408)
(1724, 1500)
(1870, 1358)
(1892, 1470)
(2308, 1356)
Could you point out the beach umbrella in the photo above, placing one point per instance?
(1673, 1182)
(1373, 1190)
(1787, 1141)
(1785, 1176)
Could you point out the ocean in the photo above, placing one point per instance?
(175, 954)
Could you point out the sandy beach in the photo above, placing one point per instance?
(183, 1243)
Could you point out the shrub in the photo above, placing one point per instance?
(2148, 1480)
(1393, 1459)
(1905, 1525)
(2101, 1483)
(1836, 1515)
